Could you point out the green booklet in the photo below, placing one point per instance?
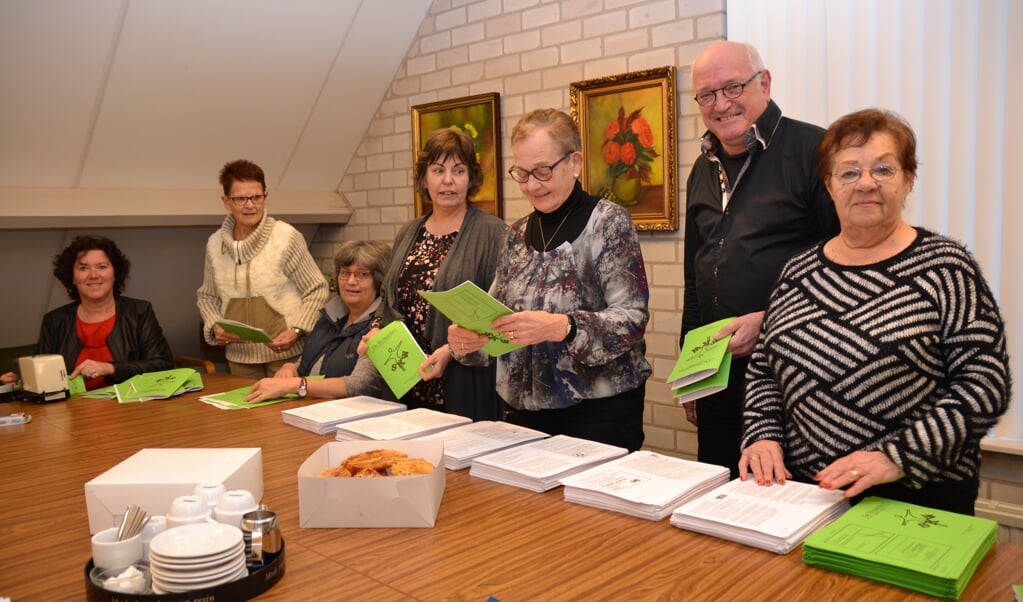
(245, 331)
(701, 358)
(235, 398)
(150, 385)
(922, 549)
(472, 308)
(397, 357)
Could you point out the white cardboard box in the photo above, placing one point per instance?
(331, 502)
(153, 477)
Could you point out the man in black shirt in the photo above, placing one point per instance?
(753, 199)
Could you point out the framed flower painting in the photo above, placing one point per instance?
(480, 117)
(627, 124)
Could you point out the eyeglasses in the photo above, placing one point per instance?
(881, 172)
(256, 199)
(542, 173)
(731, 91)
(360, 275)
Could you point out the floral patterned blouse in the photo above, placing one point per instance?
(418, 274)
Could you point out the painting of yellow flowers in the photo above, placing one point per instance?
(627, 124)
(480, 117)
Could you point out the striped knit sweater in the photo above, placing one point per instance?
(273, 263)
(906, 356)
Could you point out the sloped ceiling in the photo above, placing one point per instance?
(121, 112)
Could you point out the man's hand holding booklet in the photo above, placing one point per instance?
(703, 364)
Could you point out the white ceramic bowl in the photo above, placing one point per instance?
(210, 493)
(108, 553)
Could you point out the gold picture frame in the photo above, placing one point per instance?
(480, 117)
(627, 123)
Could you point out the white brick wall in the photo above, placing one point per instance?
(529, 51)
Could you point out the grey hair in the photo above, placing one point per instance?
(373, 255)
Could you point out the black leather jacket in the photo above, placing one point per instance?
(136, 342)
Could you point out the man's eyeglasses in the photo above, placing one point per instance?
(543, 173)
(881, 172)
(256, 199)
(360, 275)
(731, 92)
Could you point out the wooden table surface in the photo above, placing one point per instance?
(489, 540)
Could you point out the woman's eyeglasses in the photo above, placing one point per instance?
(880, 173)
(255, 199)
(543, 173)
(360, 275)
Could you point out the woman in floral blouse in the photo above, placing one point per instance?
(573, 273)
(453, 243)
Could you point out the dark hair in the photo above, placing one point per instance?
(372, 255)
(855, 129)
(559, 125)
(241, 170)
(64, 263)
(446, 144)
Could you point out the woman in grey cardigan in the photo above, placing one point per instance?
(453, 243)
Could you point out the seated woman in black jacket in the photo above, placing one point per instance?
(331, 349)
(105, 337)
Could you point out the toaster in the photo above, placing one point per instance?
(43, 377)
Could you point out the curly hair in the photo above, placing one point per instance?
(446, 144)
(64, 263)
(241, 170)
(855, 129)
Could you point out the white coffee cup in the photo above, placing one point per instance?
(156, 525)
(233, 505)
(187, 510)
(210, 492)
(108, 553)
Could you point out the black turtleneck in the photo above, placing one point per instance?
(563, 224)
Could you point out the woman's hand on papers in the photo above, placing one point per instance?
(463, 342)
(765, 460)
(272, 388)
(859, 471)
(436, 363)
(744, 330)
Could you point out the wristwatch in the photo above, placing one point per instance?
(298, 331)
(303, 387)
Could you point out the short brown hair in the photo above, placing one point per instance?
(241, 170)
(372, 255)
(444, 144)
(64, 263)
(855, 129)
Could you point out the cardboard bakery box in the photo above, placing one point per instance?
(153, 477)
(411, 501)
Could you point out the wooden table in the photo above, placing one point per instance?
(490, 539)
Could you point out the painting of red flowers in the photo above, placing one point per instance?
(627, 124)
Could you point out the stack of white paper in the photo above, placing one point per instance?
(463, 443)
(322, 418)
(643, 484)
(540, 465)
(401, 425)
(775, 518)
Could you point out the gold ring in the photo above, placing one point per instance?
(754, 457)
(463, 348)
(511, 335)
(855, 473)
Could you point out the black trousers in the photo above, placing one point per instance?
(719, 422)
(616, 420)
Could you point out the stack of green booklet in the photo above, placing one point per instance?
(703, 364)
(235, 398)
(922, 549)
(150, 385)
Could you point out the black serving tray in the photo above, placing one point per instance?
(258, 581)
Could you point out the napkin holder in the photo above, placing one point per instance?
(43, 378)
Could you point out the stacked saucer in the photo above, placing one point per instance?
(195, 557)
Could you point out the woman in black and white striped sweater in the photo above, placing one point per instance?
(882, 361)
